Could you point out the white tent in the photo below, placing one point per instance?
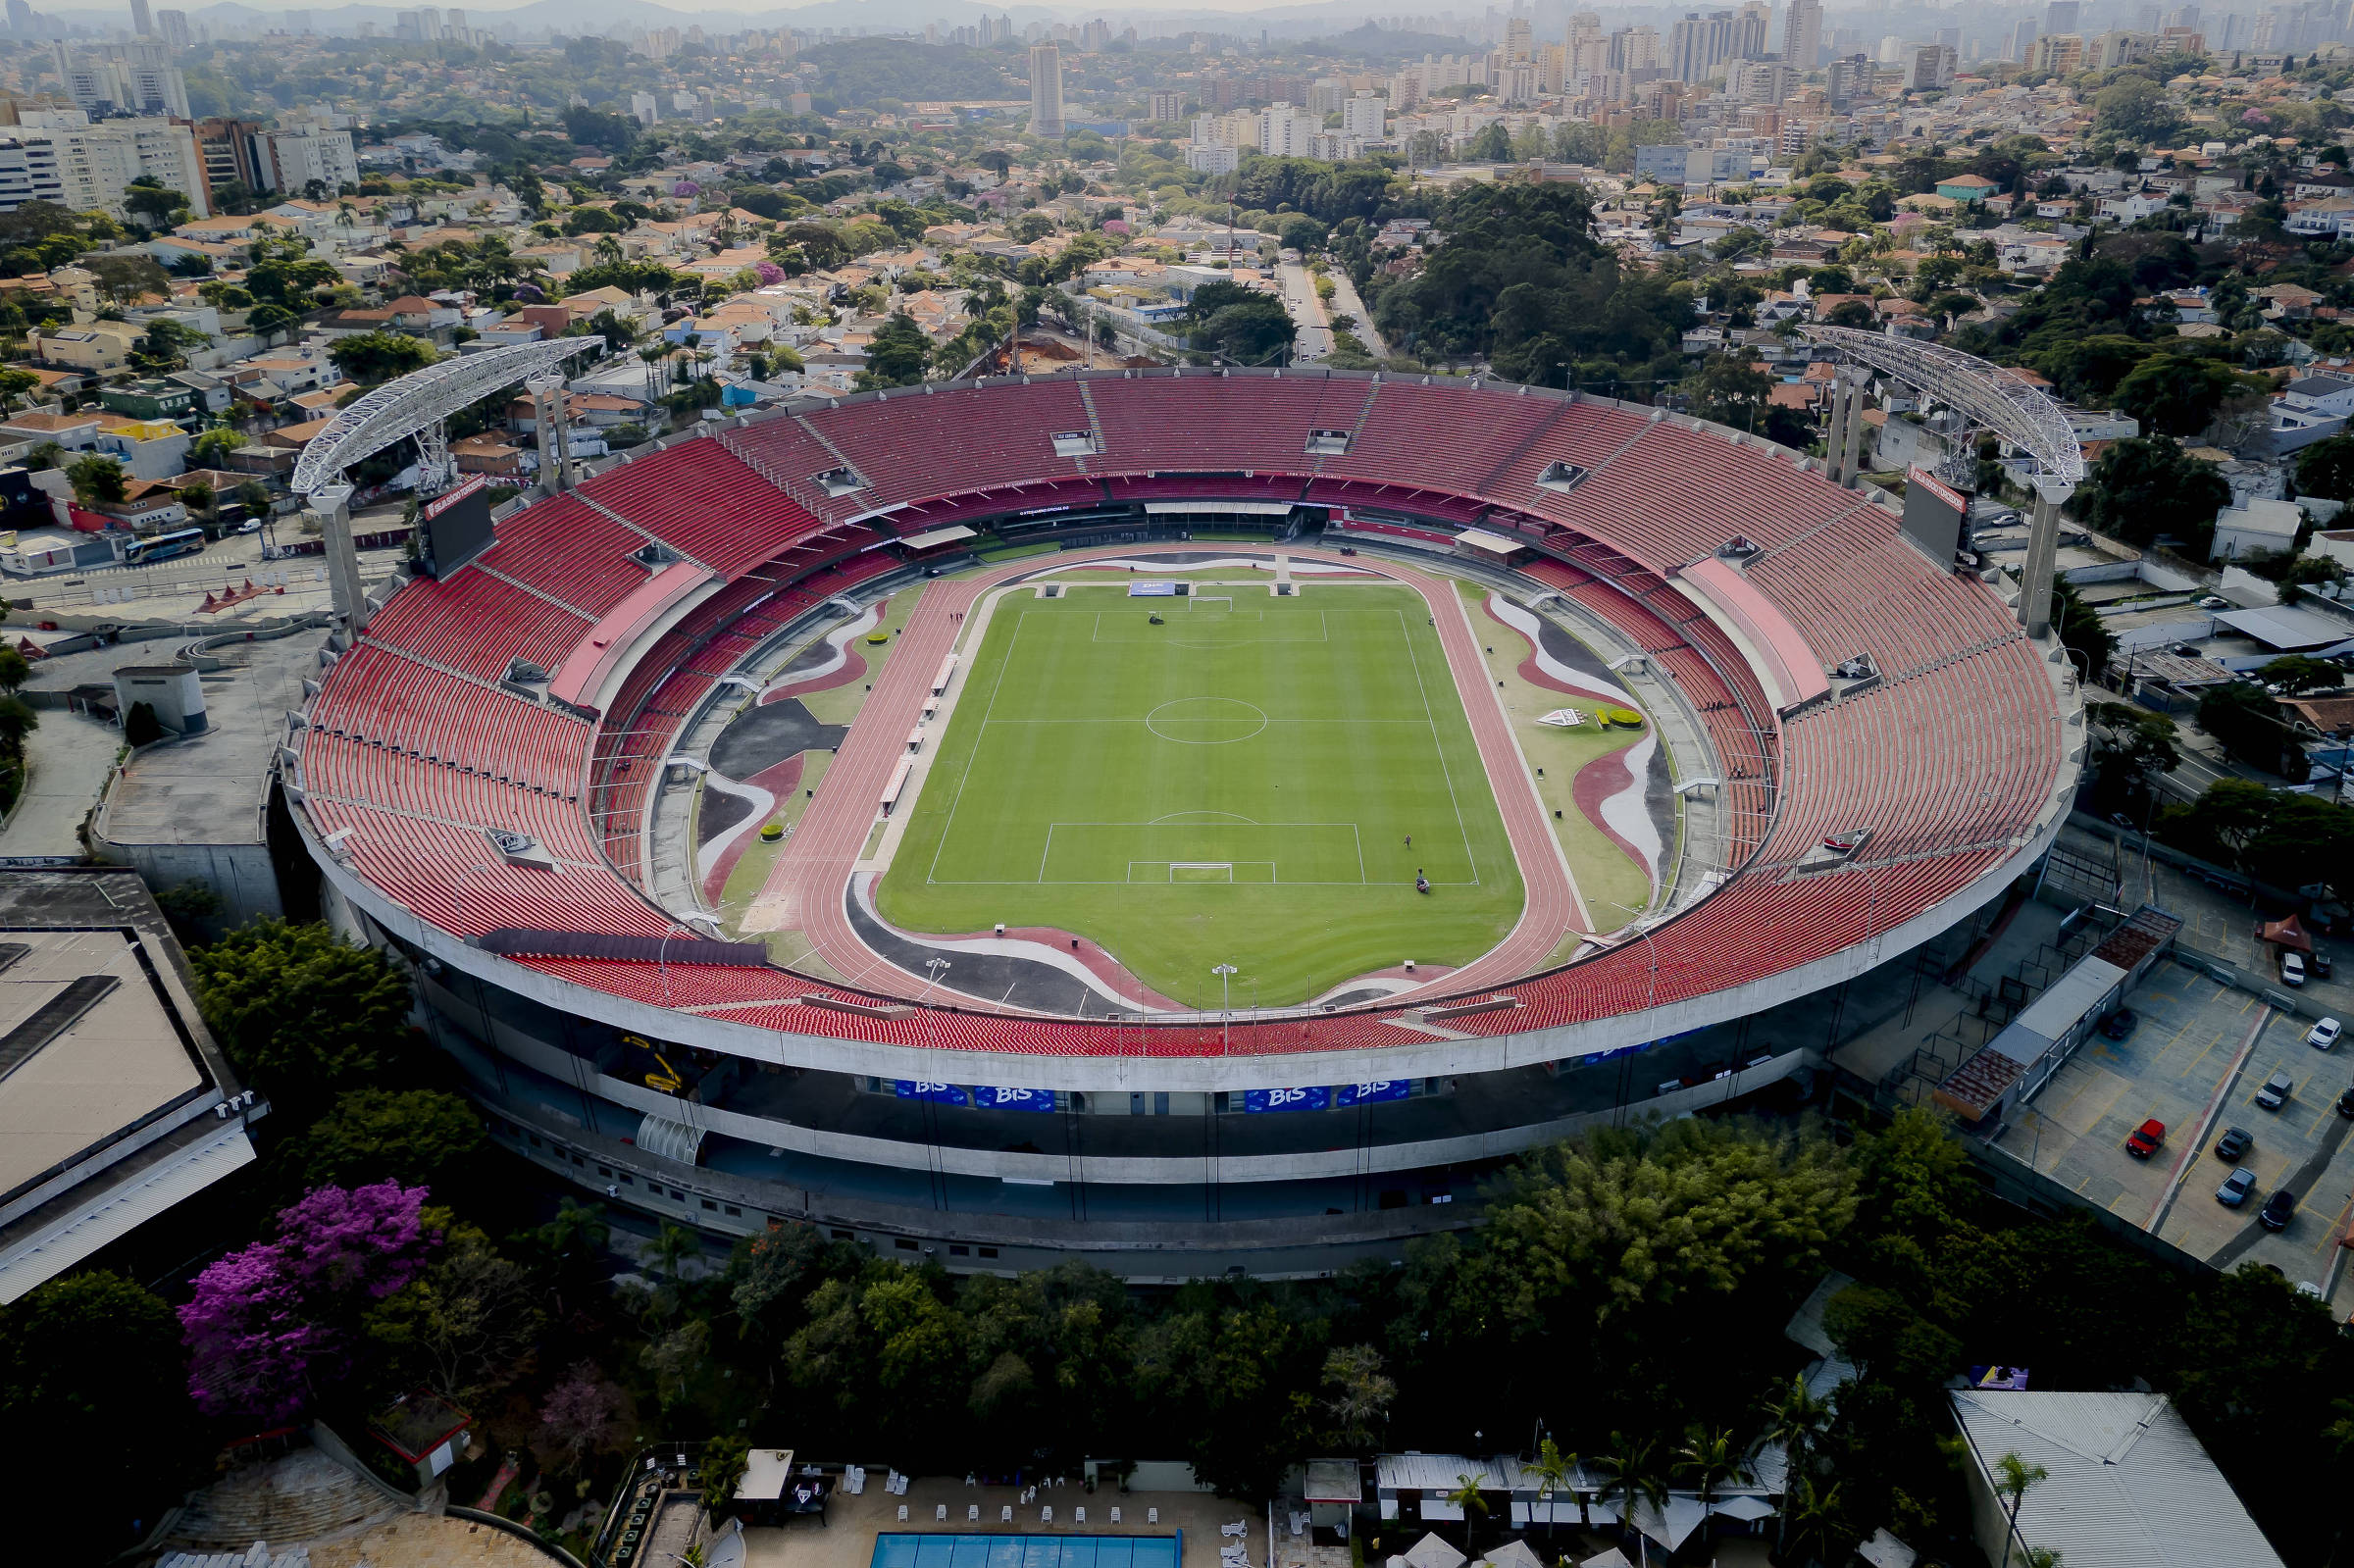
(1684, 1515)
(1432, 1552)
(1745, 1509)
(1515, 1554)
(1613, 1558)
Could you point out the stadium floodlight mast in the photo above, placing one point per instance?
(1225, 973)
(1999, 401)
(416, 406)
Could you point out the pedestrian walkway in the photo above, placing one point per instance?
(68, 756)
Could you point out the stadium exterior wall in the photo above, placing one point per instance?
(1534, 1047)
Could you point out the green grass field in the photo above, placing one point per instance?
(1235, 786)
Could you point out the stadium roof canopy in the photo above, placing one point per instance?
(2003, 402)
(418, 402)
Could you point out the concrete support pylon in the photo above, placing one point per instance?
(329, 507)
(2043, 556)
(1851, 449)
(555, 434)
(1836, 433)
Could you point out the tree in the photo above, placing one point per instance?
(725, 1461)
(1467, 1501)
(417, 1138)
(2014, 1477)
(2295, 675)
(465, 1326)
(1708, 1458)
(2327, 469)
(299, 1010)
(2136, 109)
(166, 345)
(88, 1361)
(2149, 488)
(1634, 1477)
(898, 355)
(127, 277)
(2080, 627)
(2249, 724)
(2175, 397)
(1555, 1471)
(97, 481)
(1240, 325)
(2131, 747)
(372, 358)
(145, 197)
(14, 670)
(1728, 390)
(1359, 1395)
(272, 1326)
(581, 1416)
(199, 499)
(1794, 1421)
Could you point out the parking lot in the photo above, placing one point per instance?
(2196, 1060)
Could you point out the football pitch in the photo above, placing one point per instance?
(1235, 786)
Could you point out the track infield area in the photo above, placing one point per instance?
(1235, 786)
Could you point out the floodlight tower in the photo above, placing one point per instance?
(1988, 399)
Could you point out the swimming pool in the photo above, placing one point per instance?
(945, 1551)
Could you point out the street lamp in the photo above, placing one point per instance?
(1225, 973)
(937, 966)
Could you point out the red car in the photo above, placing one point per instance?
(2144, 1141)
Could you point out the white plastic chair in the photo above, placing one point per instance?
(1152, 1516)
(1046, 1515)
(902, 1513)
(972, 1513)
(939, 1515)
(1079, 1516)
(1115, 1516)
(1006, 1517)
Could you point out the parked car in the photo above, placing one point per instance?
(2323, 1035)
(2292, 968)
(2120, 1024)
(2237, 1142)
(2277, 1210)
(2345, 1103)
(2214, 601)
(2319, 962)
(2146, 1139)
(2236, 1187)
(2275, 1091)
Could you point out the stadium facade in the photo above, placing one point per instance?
(495, 776)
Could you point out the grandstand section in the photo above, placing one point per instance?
(816, 1055)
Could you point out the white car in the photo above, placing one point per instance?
(2292, 968)
(2323, 1035)
(2215, 602)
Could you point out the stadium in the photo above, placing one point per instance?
(1194, 821)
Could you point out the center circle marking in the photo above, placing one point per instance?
(1205, 721)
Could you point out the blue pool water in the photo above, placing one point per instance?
(1024, 1552)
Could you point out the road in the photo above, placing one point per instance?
(1345, 302)
(1307, 314)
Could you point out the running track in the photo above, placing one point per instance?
(805, 887)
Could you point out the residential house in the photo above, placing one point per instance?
(99, 348)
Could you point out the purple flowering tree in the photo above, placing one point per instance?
(269, 1325)
(686, 188)
(770, 272)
